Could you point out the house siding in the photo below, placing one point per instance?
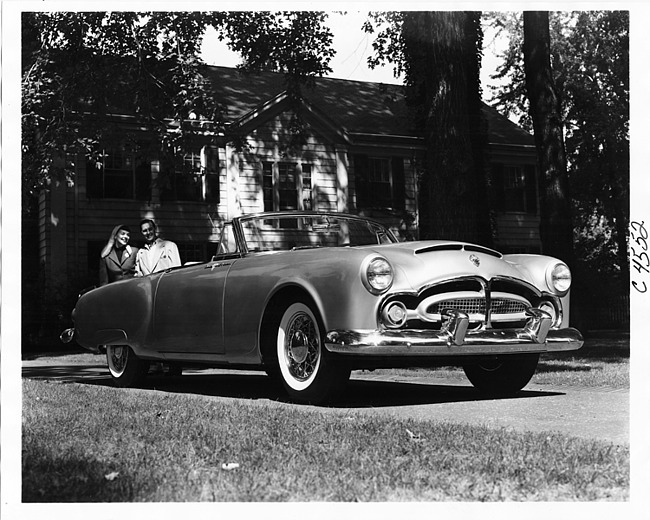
(265, 145)
(517, 232)
(329, 146)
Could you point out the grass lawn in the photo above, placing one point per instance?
(85, 443)
(88, 443)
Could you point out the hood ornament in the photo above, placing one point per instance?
(475, 260)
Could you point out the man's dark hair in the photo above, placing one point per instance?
(148, 220)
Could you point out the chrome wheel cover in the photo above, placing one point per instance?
(301, 346)
(117, 356)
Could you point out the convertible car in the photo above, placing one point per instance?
(308, 297)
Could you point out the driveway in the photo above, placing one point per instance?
(591, 413)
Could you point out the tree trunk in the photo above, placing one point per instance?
(556, 228)
(442, 62)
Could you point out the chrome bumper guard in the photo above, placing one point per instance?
(67, 335)
(453, 339)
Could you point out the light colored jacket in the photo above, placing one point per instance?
(158, 256)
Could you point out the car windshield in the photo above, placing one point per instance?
(286, 232)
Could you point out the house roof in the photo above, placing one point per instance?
(358, 107)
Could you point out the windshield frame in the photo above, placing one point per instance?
(240, 224)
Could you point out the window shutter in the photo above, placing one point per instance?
(212, 193)
(361, 180)
(143, 180)
(94, 182)
(399, 188)
(531, 188)
(498, 187)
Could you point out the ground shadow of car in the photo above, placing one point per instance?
(359, 393)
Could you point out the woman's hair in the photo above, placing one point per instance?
(120, 228)
(111, 239)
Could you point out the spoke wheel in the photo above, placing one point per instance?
(125, 367)
(308, 372)
(504, 376)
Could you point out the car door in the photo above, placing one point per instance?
(188, 309)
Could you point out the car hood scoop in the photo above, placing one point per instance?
(457, 246)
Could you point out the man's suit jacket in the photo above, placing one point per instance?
(112, 269)
(160, 255)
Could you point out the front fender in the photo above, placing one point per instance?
(117, 313)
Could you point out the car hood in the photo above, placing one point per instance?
(424, 263)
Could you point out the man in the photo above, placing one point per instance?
(157, 254)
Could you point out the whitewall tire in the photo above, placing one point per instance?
(308, 372)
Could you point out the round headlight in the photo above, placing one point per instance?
(379, 275)
(559, 278)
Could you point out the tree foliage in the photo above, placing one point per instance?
(147, 64)
(590, 62)
(439, 54)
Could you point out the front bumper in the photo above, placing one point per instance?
(455, 340)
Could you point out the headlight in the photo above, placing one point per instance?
(559, 278)
(377, 275)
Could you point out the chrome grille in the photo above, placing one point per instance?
(503, 306)
(466, 305)
(478, 306)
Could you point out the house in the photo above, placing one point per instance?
(359, 155)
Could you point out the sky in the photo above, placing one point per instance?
(353, 46)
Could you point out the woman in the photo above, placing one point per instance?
(117, 260)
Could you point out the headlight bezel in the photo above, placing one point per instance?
(377, 274)
(558, 278)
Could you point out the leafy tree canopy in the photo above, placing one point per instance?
(590, 61)
(147, 64)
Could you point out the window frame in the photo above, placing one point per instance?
(107, 164)
(367, 192)
(516, 188)
(203, 164)
(273, 185)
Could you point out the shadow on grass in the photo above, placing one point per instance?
(251, 386)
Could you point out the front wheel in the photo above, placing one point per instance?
(308, 372)
(505, 375)
(125, 367)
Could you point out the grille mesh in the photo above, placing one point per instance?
(478, 306)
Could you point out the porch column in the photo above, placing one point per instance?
(56, 228)
(233, 199)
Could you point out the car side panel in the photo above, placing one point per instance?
(188, 309)
(117, 313)
(329, 276)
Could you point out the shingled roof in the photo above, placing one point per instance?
(358, 107)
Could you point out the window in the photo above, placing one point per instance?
(515, 188)
(190, 175)
(286, 186)
(227, 241)
(379, 181)
(118, 174)
(514, 185)
(379, 185)
(306, 186)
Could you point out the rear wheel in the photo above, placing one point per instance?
(125, 367)
(308, 372)
(504, 375)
